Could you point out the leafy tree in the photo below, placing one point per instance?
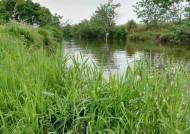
(67, 31)
(82, 30)
(187, 10)
(160, 10)
(105, 16)
(44, 16)
(175, 10)
(27, 11)
(3, 15)
(56, 20)
(147, 11)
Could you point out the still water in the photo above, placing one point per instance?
(115, 56)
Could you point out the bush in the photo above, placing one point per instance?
(119, 32)
(166, 37)
(145, 36)
(131, 26)
(184, 32)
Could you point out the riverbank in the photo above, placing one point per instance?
(39, 93)
(160, 32)
(171, 32)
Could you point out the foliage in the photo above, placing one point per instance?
(162, 32)
(82, 30)
(147, 11)
(131, 26)
(105, 16)
(153, 11)
(27, 11)
(67, 31)
(145, 36)
(119, 32)
(44, 17)
(187, 12)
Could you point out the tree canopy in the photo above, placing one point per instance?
(27, 11)
(162, 10)
(105, 16)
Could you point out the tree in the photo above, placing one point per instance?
(147, 11)
(105, 16)
(27, 11)
(67, 31)
(187, 10)
(44, 16)
(174, 9)
(160, 10)
(56, 20)
(3, 15)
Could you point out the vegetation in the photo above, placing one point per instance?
(101, 22)
(31, 36)
(27, 11)
(39, 93)
(161, 32)
(154, 11)
(163, 21)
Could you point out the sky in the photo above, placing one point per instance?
(77, 10)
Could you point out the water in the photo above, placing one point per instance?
(115, 56)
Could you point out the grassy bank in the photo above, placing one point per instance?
(40, 94)
(160, 32)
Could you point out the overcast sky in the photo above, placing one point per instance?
(77, 10)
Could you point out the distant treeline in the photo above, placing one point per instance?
(102, 23)
(161, 20)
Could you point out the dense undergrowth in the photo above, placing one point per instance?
(39, 93)
(178, 32)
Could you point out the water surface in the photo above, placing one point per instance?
(116, 56)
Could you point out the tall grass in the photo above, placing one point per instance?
(39, 93)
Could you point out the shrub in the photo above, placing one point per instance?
(131, 26)
(145, 36)
(119, 32)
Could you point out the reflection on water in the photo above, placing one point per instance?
(116, 56)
